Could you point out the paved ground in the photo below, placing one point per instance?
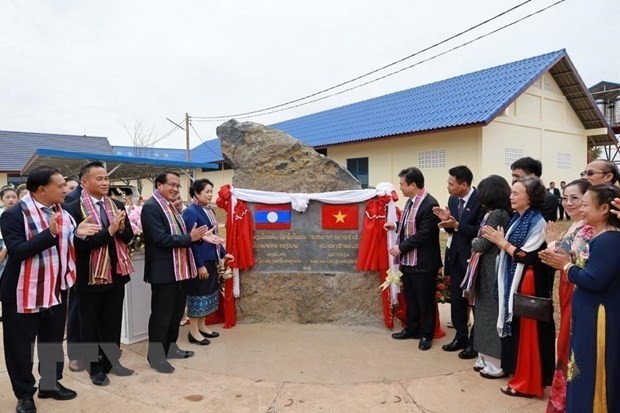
(275, 368)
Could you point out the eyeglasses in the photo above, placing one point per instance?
(590, 173)
(173, 185)
(573, 199)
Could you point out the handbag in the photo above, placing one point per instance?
(536, 308)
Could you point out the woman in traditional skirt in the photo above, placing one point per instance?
(203, 291)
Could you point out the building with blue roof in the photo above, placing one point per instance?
(487, 119)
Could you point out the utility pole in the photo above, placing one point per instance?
(187, 136)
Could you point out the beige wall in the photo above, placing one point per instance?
(3, 179)
(541, 124)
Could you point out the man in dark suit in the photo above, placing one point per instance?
(558, 196)
(461, 220)
(561, 207)
(101, 285)
(528, 166)
(40, 264)
(168, 262)
(420, 257)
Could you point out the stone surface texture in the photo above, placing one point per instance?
(270, 160)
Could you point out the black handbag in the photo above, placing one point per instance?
(536, 308)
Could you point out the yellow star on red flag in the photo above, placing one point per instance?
(340, 217)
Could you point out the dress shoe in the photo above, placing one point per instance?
(468, 353)
(60, 392)
(212, 334)
(121, 371)
(425, 344)
(492, 377)
(455, 345)
(76, 365)
(26, 405)
(99, 379)
(162, 367)
(180, 354)
(404, 334)
(203, 342)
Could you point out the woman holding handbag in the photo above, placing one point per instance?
(494, 195)
(528, 351)
(594, 364)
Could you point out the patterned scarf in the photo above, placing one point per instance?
(100, 269)
(184, 265)
(408, 227)
(519, 230)
(469, 280)
(45, 274)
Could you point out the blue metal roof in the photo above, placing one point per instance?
(473, 98)
(170, 154)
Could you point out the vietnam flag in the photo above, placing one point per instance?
(272, 216)
(340, 216)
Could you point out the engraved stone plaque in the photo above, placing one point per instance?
(306, 246)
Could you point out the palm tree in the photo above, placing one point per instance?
(594, 153)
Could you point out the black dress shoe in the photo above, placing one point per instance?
(203, 342)
(58, 393)
(99, 379)
(180, 354)
(404, 335)
(455, 345)
(162, 367)
(425, 344)
(26, 405)
(468, 353)
(212, 334)
(121, 371)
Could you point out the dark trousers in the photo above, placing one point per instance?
(167, 307)
(459, 305)
(101, 315)
(20, 332)
(73, 325)
(561, 212)
(419, 289)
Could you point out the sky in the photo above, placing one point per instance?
(102, 68)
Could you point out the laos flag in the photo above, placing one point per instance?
(272, 216)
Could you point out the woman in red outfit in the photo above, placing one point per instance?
(528, 351)
(577, 239)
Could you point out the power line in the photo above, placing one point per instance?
(219, 117)
(165, 135)
(201, 140)
(214, 119)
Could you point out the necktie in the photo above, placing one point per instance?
(405, 217)
(103, 215)
(461, 207)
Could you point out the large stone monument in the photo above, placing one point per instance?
(305, 273)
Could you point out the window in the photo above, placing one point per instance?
(511, 155)
(564, 160)
(359, 169)
(432, 159)
(15, 179)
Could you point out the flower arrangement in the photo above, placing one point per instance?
(137, 243)
(442, 295)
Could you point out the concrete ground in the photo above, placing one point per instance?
(286, 368)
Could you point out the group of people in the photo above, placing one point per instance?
(502, 253)
(61, 248)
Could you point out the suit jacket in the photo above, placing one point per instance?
(158, 244)
(84, 247)
(469, 224)
(203, 251)
(549, 209)
(426, 237)
(19, 248)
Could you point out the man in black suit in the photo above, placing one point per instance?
(167, 242)
(528, 166)
(461, 220)
(420, 257)
(560, 206)
(40, 263)
(101, 285)
(558, 196)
